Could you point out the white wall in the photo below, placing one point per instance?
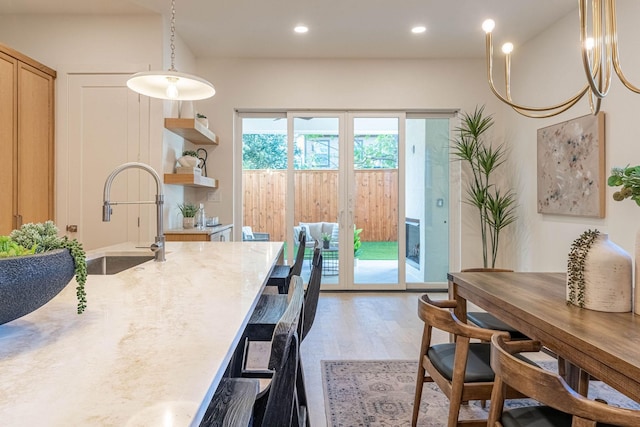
(334, 84)
(81, 43)
(65, 42)
(549, 69)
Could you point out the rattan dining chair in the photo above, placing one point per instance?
(461, 369)
(561, 406)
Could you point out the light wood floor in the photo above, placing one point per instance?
(363, 325)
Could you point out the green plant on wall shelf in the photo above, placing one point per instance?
(496, 208)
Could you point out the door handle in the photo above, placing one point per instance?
(73, 228)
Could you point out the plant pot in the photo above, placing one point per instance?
(325, 244)
(203, 121)
(29, 282)
(188, 161)
(189, 222)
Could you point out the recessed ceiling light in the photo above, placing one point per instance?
(419, 29)
(301, 29)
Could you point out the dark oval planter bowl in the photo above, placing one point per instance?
(29, 282)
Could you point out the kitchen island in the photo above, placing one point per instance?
(149, 350)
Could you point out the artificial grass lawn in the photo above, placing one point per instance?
(378, 251)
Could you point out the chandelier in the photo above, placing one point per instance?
(599, 57)
(171, 84)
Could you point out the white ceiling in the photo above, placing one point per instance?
(337, 28)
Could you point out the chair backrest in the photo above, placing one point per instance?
(247, 233)
(282, 407)
(296, 268)
(438, 314)
(312, 294)
(548, 388)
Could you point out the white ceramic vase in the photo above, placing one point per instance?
(188, 161)
(607, 277)
(186, 110)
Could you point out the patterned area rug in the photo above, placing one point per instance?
(379, 393)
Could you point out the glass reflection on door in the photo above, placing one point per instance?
(375, 200)
(316, 178)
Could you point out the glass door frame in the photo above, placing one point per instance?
(347, 184)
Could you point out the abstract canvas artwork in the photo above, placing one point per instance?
(571, 175)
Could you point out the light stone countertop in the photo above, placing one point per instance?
(150, 348)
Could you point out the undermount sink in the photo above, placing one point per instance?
(112, 264)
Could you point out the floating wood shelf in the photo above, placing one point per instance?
(190, 180)
(192, 130)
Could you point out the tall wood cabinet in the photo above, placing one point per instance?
(26, 140)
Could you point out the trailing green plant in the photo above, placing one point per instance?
(43, 237)
(575, 266)
(200, 116)
(629, 178)
(496, 208)
(356, 240)
(188, 210)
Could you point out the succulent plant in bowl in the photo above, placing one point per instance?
(35, 265)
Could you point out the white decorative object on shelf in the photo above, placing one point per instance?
(202, 119)
(188, 161)
(607, 277)
(186, 110)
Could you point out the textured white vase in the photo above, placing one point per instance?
(607, 277)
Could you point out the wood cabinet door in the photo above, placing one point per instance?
(35, 157)
(8, 69)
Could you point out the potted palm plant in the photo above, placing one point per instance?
(496, 208)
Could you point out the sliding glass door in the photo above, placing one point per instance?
(371, 190)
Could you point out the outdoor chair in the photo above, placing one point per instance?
(461, 369)
(281, 274)
(561, 406)
(248, 235)
(488, 320)
(239, 402)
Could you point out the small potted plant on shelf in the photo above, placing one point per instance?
(202, 119)
(188, 212)
(35, 265)
(189, 159)
(326, 239)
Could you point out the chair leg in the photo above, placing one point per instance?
(418, 396)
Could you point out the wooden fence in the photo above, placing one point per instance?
(316, 199)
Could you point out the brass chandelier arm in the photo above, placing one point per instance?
(615, 55)
(525, 110)
(600, 60)
(598, 69)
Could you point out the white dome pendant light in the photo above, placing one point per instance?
(171, 84)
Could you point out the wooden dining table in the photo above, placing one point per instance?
(606, 345)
